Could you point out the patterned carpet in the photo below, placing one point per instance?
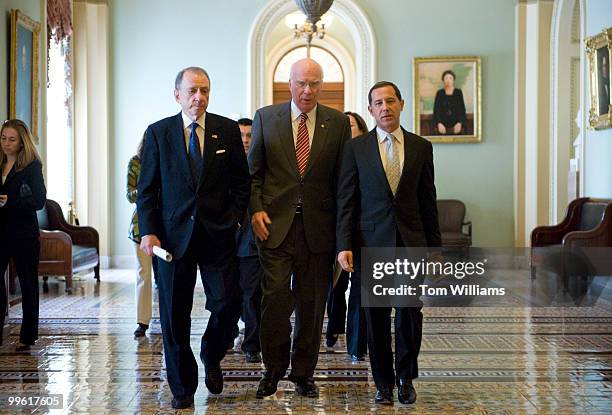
(473, 360)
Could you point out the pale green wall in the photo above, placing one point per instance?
(152, 39)
(598, 144)
(33, 9)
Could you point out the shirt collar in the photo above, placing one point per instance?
(187, 121)
(296, 112)
(382, 135)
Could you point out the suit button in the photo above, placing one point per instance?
(191, 217)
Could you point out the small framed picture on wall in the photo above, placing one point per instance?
(598, 54)
(447, 99)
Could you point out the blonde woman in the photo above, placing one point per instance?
(22, 193)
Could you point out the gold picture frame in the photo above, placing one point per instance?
(23, 89)
(599, 54)
(463, 106)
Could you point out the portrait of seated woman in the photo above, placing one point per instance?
(449, 115)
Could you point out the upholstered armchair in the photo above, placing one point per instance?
(64, 248)
(587, 223)
(455, 232)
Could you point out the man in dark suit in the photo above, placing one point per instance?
(249, 270)
(192, 193)
(387, 198)
(294, 162)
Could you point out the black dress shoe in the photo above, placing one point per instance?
(384, 397)
(331, 340)
(214, 379)
(252, 357)
(141, 330)
(267, 385)
(182, 402)
(405, 392)
(357, 358)
(305, 386)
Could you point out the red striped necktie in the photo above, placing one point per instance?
(302, 146)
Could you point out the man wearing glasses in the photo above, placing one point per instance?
(294, 162)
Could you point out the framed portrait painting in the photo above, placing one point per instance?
(446, 107)
(23, 90)
(598, 53)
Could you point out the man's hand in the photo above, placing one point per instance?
(259, 221)
(345, 259)
(148, 242)
(457, 128)
(3, 199)
(441, 128)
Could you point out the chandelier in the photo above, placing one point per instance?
(313, 9)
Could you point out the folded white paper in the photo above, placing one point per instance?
(162, 253)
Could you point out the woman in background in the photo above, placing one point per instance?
(356, 339)
(449, 115)
(22, 193)
(144, 294)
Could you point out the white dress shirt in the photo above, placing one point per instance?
(311, 122)
(199, 130)
(399, 144)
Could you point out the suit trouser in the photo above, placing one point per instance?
(250, 285)
(356, 338)
(176, 286)
(306, 292)
(25, 252)
(408, 333)
(144, 292)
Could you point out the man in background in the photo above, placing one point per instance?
(250, 271)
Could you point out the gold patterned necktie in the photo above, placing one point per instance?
(392, 169)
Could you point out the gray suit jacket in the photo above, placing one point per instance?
(277, 186)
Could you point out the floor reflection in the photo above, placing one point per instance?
(473, 360)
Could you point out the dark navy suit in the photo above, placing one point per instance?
(369, 215)
(195, 219)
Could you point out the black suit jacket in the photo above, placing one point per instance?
(277, 184)
(168, 201)
(26, 194)
(369, 214)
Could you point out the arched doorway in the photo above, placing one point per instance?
(332, 93)
(354, 47)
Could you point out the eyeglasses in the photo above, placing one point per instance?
(311, 84)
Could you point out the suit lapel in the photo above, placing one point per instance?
(212, 139)
(285, 136)
(376, 161)
(176, 141)
(319, 138)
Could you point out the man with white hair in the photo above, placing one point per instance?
(294, 161)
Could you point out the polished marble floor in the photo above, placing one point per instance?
(473, 361)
